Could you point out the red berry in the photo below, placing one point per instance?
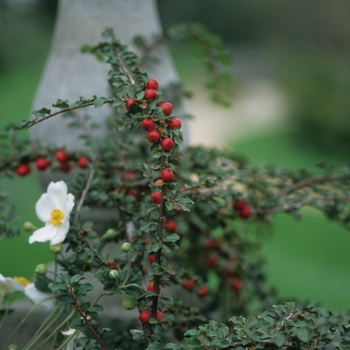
(129, 175)
(239, 204)
(156, 197)
(245, 213)
(83, 162)
(175, 123)
(66, 167)
(166, 175)
(188, 283)
(236, 285)
(133, 193)
(209, 244)
(167, 144)
(112, 265)
(150, 287)
(171, 224)
(147, 124)
(229, 272)
(167, 108)
(202, 291)
(159, 315)
(153, 136)
(129, 102)
(23, 169)
(150, 94)
(152, 84)
(42, 163)
(212, 261)
(152, 259)
(145, 315)
(61, 156)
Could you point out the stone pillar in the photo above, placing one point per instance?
(70, 74)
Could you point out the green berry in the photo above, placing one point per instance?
(126, 247)
(113, 274)
(110, 233)
(129, 303)
(28, 226)
(56, 248)
(41, 269)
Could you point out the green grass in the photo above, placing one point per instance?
(306, 260)
(17, 257)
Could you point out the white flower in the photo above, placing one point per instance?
(53, 208)
(77, 334)
(46, 300)
(10, 285)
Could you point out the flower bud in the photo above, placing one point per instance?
(12, 347)
(129, 303)
(56, 248)
(109, 234)
(126, 247)
(28, 226)
(41, 269)
(113, 274)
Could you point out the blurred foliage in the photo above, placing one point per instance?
(320, 104)
(264, 22)
(25, 29)
(307, 47)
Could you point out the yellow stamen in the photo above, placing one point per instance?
(56, 217)
(21, 280)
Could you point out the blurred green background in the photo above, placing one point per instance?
(307, 46)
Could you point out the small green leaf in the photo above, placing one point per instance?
(102, 330)
(95, 310)
(65, 299)
(84, 288)
(100, 101)
(61, 104)
(136, 334)
(64, 277)
(172, 238)
(76, 278)
(59, 286)
(78, 324)
(117, 103)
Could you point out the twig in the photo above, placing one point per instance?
(87, 187)
(158, 41)
(69, 109)
(311, 181)
(123, 67)
(82, 123)
(85, 318)
(159, 252)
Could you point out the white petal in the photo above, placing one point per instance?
(58, 194)
(69, 203)
(61, 233)
(46, 300)
(43, 207)
(9, 285)
(44, 234)
(70, 331)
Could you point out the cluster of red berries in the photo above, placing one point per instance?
(145, 316)
(42, 163)
(189, 284)
(242, 209)
(155, 135)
